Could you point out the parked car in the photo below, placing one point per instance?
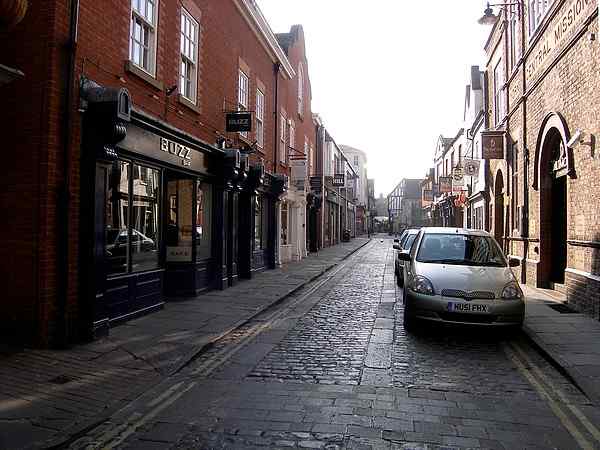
(460, 276)
(406, 241)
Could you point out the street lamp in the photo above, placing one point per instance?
(489, 18)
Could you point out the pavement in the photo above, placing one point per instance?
(568, 339)
(49, 397)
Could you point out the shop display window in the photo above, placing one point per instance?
(203, 220)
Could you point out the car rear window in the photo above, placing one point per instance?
(460, 249)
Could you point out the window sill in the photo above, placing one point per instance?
(188, 104)
(135, 70)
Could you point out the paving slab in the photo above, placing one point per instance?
(569, 340)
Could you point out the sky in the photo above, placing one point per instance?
(387, 76)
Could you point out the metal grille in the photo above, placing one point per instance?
(457, 293)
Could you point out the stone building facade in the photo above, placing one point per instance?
(543, 91)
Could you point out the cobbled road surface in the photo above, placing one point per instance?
(332, 367)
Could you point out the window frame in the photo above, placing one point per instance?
(292, 135)
(498, 81)
(282, 138)
(153, 35)
(243, 94)
(300, 89)
(186, 59)
(537, 10)
(260, 118)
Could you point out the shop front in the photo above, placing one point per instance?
(149, 228)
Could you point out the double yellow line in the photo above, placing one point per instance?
(573, 419)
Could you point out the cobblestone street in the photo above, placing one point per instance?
(332, 367)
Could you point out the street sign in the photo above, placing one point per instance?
(238, 122)
(492, 144)
(471, 167)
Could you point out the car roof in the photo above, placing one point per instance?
(449, 230)
(412, 230)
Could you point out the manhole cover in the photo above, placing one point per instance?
(562, 308)
(61, 379)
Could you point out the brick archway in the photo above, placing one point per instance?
(553, 200)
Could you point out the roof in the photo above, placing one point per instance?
(449, 230)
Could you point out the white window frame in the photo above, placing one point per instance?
(139, 14)
(513, 35)
(260, 118)
(300, 89)
(188, 38)
(536, 11)
(292, 135)
(243, 94)
(282, 139)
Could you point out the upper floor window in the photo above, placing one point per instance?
(292, 135)
(356, 160)
(142, 49)
(300, 89)
(189, 57)
(311, 159)
(282, 136)
(498, 97)
(260, 118)
(537, 9)
(513, 24)
(243, 86)
(305, 145)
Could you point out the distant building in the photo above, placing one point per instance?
(404, 205)
(358, 160)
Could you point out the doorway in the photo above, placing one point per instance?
(558, 231)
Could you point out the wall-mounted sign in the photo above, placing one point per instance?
(573, 14)
(179, 254)
(445, 184)
(339, 180)
(299, 169)
(316, 183)
(238, 121)
(492, 144)
(471, 167)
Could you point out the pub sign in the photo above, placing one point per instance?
(492, 144)
(445, 184)
(238, 122)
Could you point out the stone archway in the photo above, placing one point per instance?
(553, 161)
(499, 208)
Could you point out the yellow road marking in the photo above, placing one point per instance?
(576, 411)
(568, 424)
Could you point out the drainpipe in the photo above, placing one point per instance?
(63, 335)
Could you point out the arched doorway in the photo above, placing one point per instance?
(499, 208)
(553, 165)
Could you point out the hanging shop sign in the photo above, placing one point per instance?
(316, 183)
(238, 122)
(339, 180)
(427, 195)
(299, 169)
(445, 184)
(471, 167)
(492, 144)
(457, 174)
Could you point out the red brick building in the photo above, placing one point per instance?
(123, 186)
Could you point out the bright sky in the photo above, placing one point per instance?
(388, 76)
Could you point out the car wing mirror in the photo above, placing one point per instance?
(396, 241)
(404, 255)
(397, 247)
(514, 262)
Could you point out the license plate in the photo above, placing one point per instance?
(467, 308)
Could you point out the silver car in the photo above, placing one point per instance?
(460, 276)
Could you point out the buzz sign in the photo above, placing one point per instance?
(238, 122)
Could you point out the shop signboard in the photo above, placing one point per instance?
(445, 184)
(492, 144)
(238, 122)
(316, 183)
(179, 254)
(427, 195)
(339, 180)
(471, 167)
(299, 171)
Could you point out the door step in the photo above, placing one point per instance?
(559, 287)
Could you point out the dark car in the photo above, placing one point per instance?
(406, 241)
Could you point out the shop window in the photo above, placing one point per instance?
(203, 220)
(132, 218)
(243, 90)
(179, 229)
(142, 48)
(258, 224)
(284, 223)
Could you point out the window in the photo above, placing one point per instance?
(203, 220)
(243, 86)
(536, 12)
(300, 90)
(460, 249)
(305, 146)
(513, 21)
(132, 218)
(189, 57)
(478, 218)
(292, 135)
(258, 224)
(282, 138)
(284, 223)
(142, 50)
(515, 186)
(260, 117)
(498, 97)
(311, 159)
(356, 160)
